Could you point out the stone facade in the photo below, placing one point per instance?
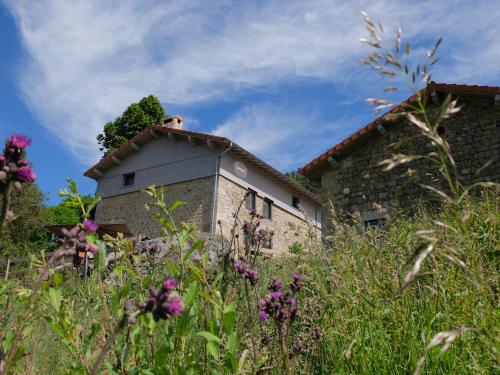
(288, 228)
(355, 183)
(129, 208)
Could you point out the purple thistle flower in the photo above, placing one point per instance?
(169, 284)
(89, 226)
(18, 141)
(276, 295)
(263, 315)
(296, 284)
(92, 248)
(26, 174)
(246, 227)
(252, 276)
(174, 305)
(276, 285)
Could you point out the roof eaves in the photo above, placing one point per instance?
(321, 160)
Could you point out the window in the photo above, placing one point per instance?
(374, 223)
(295, 202)
(268, 242)
(128, 179)
(373, 219)
(250, 200)
(267, 210)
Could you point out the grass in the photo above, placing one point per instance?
(353, 293)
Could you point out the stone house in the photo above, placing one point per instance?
(352, 181)
(211, 174)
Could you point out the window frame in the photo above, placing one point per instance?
(268, 243)
(268, 203)
(252, 194)
(126, 177)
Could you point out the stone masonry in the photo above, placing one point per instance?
(357, 182)
(287, 227)
(130, 208)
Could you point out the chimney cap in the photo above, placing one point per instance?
(175, 122)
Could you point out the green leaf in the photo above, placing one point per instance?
(233, 342)
(55, 298)
(176, 205)
(209, 336)
(229, 318)
(191, 292)
(57, 279)
(213, 349)
(100, 257)
(7, 341)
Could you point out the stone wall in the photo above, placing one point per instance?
(287, 227)
(129, 208)
(355, 183)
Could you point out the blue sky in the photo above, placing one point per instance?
(281, 79)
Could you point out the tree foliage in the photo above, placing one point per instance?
(304, 181)
(135, 118)
(68, 211)
(26, 232)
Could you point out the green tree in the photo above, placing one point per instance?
(26, 232)
(68, 211)
(136, 117)
(304, 181)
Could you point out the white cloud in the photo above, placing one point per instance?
(88, 59)
(282, 136)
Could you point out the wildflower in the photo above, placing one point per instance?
(164, 303)
(252, 277)
(89, 226)
(246, 227)
(296, 284)
(246, 273)
(18, 141)
(26, 174)
(169, 284)
(276, 285)
(317, 333)
(263, 315)
(299, 346)
(280, 304)
(174, 305)
(92, 248)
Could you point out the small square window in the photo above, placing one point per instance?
(295, 202)
(374, 223)
(128, 179)
(267, 209)
(268, 242)
(250, 200)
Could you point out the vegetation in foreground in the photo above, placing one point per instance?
(419, 296)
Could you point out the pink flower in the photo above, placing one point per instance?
(92, 248)
(26, 174)
(89, 226)
(18, 141)
(169, 284)
(174, 305)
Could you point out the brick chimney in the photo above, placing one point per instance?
(174, 122)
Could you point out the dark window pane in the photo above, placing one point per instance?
(267, 209)
(128, 179)
(295, 202)
(268, 242)
(250, 200)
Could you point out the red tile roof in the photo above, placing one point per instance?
(350, 142)
(147, 134)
